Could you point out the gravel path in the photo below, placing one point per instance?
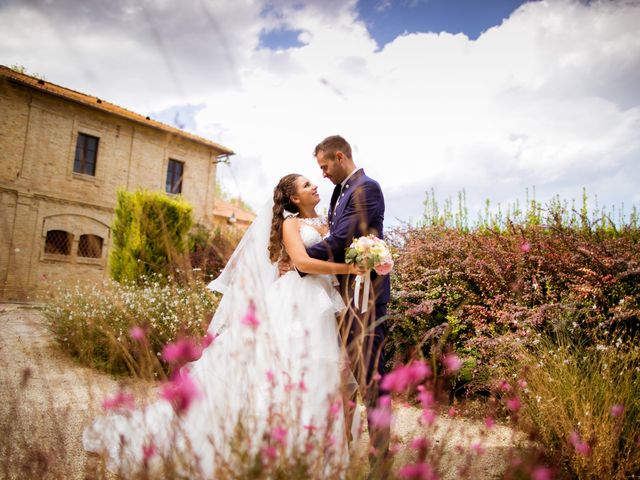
(46, 400)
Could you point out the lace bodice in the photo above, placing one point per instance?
(310, 236)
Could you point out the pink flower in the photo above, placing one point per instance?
(381, 415)
(384, 268)
(418, 471)
(617, 410)
(581, 447)
(541, 473)
(452, 363)
(420, 443)
(452, 412)
(279, 434)
(522, 383)
(405, 376)
(429, 416)
(269, 453)
(120, 401)
(489, 422)
(137, 333)
(426, 398)
(208, 339)
(504, 386)
(250, 319)
(335, 408)
(180, 392)
(514, 404)
(181, 351)
(525, 247)
(478, 448)
(271, 377)
(148, 451)
(351, 404)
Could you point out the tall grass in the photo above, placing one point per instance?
(582, 401)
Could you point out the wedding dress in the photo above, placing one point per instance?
(279, 368)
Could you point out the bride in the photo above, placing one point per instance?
(270, 385)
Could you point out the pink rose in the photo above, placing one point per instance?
(384, 268)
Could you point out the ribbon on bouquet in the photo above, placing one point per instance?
(365, 293)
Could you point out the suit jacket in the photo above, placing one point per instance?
(358, 211)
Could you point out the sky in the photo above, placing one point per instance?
(491, 96)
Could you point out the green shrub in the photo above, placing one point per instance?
(149, 234)
(93, 323)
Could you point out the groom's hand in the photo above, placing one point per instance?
(284, 267)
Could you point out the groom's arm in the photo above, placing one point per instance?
(361, 212)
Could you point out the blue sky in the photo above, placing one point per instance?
(387, 19)
(489, 96)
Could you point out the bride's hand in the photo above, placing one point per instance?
(356, 269)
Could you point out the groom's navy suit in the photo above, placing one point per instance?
(355, 210)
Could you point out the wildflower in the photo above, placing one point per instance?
(381, 415)
(420, 443)
(250, 319)
(514, 404)
(581, 447)
(269, 453)
(504, 386)
(335, 408)
(452, 363)
(617, 410)
(120, 400)
(308, 447)
(541, 473)
(525, 247)
(426, 398)
(429, 416)
(180, 392)
(452, 412)
(522, 383)
(182, 351)
(422, 471)
(208, 339)
(148, 451)
(137, 333)
(489, 422)
(271, 377)
(279, 434)
(478, 448)
(406, 376)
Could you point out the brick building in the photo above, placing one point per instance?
(63, 155)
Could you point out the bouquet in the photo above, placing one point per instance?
(368, 252)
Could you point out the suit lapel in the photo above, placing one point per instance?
(347, 192)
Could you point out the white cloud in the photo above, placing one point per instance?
(547, 98)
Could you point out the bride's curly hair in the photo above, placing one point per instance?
(282, 194)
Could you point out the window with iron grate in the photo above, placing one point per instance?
(58, 242)
(90, 246)
(86, 154)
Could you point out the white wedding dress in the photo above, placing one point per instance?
(287, 369)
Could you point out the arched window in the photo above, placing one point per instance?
(58, 242)
(90, 246)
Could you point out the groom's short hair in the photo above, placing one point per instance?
(331, 145)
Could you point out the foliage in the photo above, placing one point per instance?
(149, 234)
(209, 250)
(583, 403)
(94, 324)
(489, 287)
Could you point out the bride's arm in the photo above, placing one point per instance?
(302, 261)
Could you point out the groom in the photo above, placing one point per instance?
(357, 209)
